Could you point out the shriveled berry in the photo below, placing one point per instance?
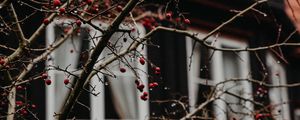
(125, 39)
(123, 70)
(137, 82)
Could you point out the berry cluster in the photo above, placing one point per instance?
(2, 61)
(265, 116)
(261, 92)
(45, 77)
(23, 107)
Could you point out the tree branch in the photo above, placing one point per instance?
(74, 95)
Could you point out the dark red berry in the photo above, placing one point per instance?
(258, 116)
(24, 112)
(19, 87)
(48, 82)
(141, 87)
(66, 81)
(169, 15)
(151, 85)
(44, 76)
(155, 84)
(19, 103)
(119, 8)
(2, 61)
(157, 72)
(187, 21)
(142, 60)
(133, 29)
(46, 21)
(89, 2)
(157, 69)
(144, 97)
(123, 70)
(145, 94)
(56, 2)
(33, 106)
(137, 82)
(78, 22)
(62, 10)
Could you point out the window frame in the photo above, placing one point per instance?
(278, 95)
(217, 73)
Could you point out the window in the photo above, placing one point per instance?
(121, 88)
(220, 66)
(278, 95)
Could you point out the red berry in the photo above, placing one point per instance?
(48, 82)
(157, 69)
(145, 94)
(141, 87)
(46, 21)
(24, 112)
(142, 60)
(168, 15)
(2, 61)
(122, 69)
(62, 10)
(119, 8)
(56, 2)
(78, 22)
(33, 106)
(89, 2)
(144, 97)
(19, 103)
(187, 21)
(137, 82)
(258, 116)
(157, 72)
(19, 87)
(66, 81)
(133, 29)
(155, 84)
(151, 85)
(178, 19)
(44, 76)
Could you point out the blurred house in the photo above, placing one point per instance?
(184, 78)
